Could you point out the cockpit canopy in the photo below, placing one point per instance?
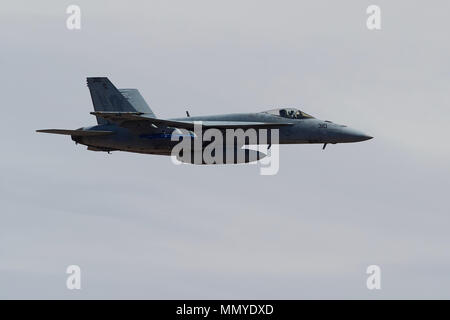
(290, 113)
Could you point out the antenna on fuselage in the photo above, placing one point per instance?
(187, 113)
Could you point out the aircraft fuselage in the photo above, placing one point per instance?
(303, 131)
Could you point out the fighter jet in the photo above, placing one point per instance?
(125, 122)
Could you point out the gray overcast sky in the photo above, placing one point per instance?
(140, 227)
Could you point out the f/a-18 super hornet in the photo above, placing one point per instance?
(126, 123)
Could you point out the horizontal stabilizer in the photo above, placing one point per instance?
(119, 117)
(78, 133)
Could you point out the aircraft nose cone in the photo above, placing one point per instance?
(353, 135)
(365, 137)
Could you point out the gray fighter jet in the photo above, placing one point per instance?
(126, 123)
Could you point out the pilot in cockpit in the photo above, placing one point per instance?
(289, 113)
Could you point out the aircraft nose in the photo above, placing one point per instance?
(362, 137)
(352, 135)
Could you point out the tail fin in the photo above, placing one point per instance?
(137, 101)
(106, 97)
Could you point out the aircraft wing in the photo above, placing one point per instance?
(120, 117)
(78, 133)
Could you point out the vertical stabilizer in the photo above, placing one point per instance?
(106, 97)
